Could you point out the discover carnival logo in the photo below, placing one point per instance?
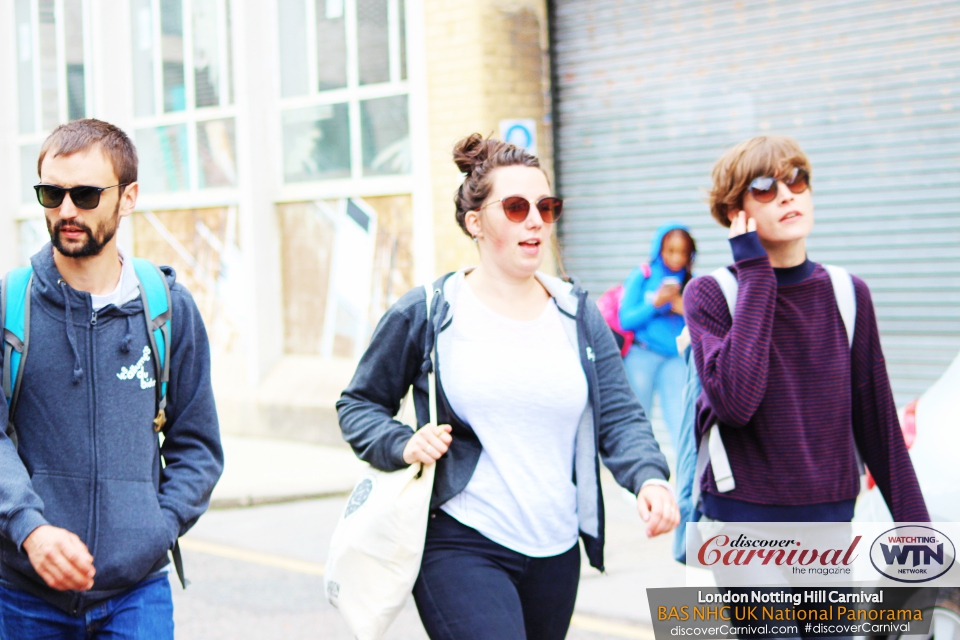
(747, 551)
(912, 553)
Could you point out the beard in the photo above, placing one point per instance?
(95, 241)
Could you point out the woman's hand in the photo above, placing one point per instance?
(677, 304)
(428, 444)
(658, 509)
(741, 225)
(665, 294)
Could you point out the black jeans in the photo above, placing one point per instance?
(470, 587)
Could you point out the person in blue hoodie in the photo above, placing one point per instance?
(87, 513)
(652, 308)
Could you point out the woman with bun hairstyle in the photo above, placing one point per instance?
(531, 395)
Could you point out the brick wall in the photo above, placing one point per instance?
(486, 61)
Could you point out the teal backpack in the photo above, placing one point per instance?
(15, 316)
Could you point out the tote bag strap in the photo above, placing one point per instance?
(430, 292)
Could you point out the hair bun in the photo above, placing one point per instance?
(470, 152)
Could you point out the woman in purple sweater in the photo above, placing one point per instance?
(794, 402)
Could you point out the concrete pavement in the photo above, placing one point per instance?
(260, 471)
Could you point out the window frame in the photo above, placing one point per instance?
(192, 115)
(32, 209)
(353, 94)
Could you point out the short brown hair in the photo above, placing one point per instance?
(477, 157)
(81, 135)
(772, 156)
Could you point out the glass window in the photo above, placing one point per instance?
(144, 97)
(206, 53)
(186, 125)
(171, 45)
(293, 48)
(49, 78)
(373, 41)
(25, 79)
(316, 143)
(402, 14)
(216, 153)
(386, 136)
(331, 45)
(28, 172)
(33, 235)
(229, 49)
(164, 158)
(73, 55)
(339, 106)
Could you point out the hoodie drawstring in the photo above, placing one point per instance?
(127, 339)
(71, 338)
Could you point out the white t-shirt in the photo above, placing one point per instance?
(99, 302)
(521, 387)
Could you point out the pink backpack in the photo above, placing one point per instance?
(609, 305)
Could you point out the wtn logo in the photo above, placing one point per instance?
(912, 553)
(899, 555)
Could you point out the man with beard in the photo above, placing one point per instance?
(87, 511)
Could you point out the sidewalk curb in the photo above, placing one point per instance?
(255, 501)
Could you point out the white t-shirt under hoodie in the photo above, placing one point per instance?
(520, 386)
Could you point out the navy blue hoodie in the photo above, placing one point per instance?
(88, 458)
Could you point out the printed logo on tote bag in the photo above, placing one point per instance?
(360, 494)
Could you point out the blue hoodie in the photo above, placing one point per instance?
(655, 328)
(88, 458)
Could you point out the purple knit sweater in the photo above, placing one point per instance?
(794, 402)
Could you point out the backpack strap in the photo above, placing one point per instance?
(711, 449)
(645, 269)
(155, 294)
(729, 286)
(846, 296)
(157, 307)
(15, 312)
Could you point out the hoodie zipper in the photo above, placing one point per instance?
(93, 439)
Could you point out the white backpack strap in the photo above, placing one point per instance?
(846, 298)
(718, 460)
(729, 287)
(712, 450)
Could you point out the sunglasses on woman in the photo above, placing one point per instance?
(83, 197)
(764, 189)
(517, 208)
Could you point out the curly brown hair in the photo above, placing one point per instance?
(477, 157)
(772, 156)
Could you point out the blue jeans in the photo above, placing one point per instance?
(648, 372)
(471, 588)
(145, 612)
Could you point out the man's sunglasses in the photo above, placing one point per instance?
(51, 196)
(517, 208)
(764, 189)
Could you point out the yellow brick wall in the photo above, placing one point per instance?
(486, 62)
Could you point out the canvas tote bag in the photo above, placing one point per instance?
(377, 546)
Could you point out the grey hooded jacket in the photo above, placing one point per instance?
(87, 458)
(613, 423)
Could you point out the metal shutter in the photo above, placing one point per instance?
(649, 94)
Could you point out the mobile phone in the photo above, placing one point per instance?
(670, 281)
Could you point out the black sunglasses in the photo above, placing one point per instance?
(517, 208)
(51, 196)
(764, 189)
